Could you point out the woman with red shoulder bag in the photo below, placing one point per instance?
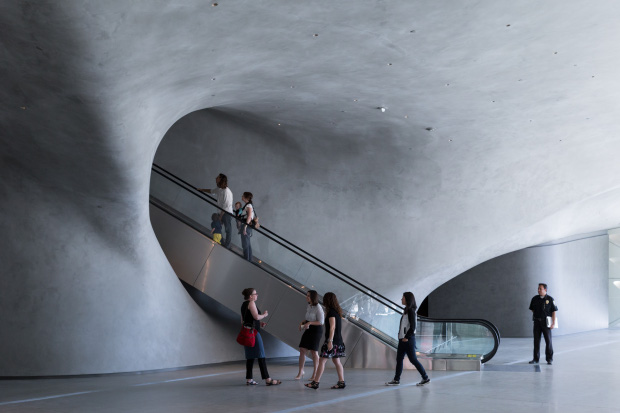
(250, 318)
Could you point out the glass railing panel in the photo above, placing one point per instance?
(454, 338)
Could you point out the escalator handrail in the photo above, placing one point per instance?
(201, 195)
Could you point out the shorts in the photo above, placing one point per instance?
(217, 238)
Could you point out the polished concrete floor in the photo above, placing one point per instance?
(584, 378)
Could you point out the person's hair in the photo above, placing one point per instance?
(544, 285)
(331, 301)
(314, 297)
(238, 203)
(248, 196)
(222, 181)
(247, 293)
(215, 217)
(410, 302)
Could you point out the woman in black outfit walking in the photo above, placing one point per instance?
(333, 348)
(406, 341)
(250, 317)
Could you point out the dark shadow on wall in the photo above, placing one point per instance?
(57, 149)
(229, 322)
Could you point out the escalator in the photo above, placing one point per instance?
(283, 272)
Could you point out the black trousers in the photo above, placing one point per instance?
(262, 364)
(540, 326)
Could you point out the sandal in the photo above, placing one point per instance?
(312, 385)
(273, 382)
(339, 385)
(251, 382)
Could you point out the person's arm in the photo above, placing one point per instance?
(552, 320)
(411, 319)
(212, 229)
(332, 329)
(208, 191)
(248, 219)
(254, 312)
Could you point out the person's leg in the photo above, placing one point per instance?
(400, 355)
(315, 364)
(537, 333)
(548, 344)
(414, 359)
(249, 242)
(249, 364)
(245, 239)
(319, 371)
(262, 364)
(302, 361)
(227, 225)
(339, 368)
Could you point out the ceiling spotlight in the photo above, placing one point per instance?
(381, 108)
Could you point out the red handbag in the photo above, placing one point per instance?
(247, 336)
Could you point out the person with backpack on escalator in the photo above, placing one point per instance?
(247, 219)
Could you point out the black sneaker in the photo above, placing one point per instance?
(549, 362)
(393, 383)
(423, 382)
(533, 361)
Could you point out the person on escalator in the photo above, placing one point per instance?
(237, 212)
(216, 228)
(406, 341)
(224, 201)
(245, 230)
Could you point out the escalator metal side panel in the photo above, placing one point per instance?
(186, 249)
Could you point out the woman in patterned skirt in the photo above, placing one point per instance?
(333, 348)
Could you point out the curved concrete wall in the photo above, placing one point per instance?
(500, 133)
(500, 290)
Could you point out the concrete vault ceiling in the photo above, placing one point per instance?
(500, 127)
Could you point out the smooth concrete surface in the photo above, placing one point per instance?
(584, 378)
(499, 290)
(500, 132)
(614, 277)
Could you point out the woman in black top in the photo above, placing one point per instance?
(333, 348)
(250, 317)
(406, 341)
